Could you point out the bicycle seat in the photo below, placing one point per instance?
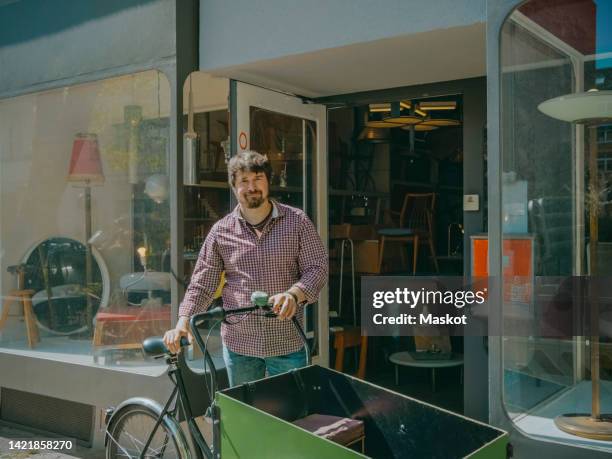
(154, 346)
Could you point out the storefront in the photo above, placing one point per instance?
(113, 171)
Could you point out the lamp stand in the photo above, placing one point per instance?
(88, 258)
(595, 426)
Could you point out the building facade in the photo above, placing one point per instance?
(104, 203)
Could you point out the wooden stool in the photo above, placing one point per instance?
(347, 338)
(25, 296)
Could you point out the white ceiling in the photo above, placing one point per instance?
(427, 57)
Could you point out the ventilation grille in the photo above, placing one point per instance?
(54, 415)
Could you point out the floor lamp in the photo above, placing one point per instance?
(591, 109)
(85, 171)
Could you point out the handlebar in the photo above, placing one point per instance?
(260, 302)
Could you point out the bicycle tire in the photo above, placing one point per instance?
(130, 427)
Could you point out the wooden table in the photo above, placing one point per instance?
(127, 327)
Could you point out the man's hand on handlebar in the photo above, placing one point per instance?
(172, 338)
(283, 305)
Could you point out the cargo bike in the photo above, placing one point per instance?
(311, 412)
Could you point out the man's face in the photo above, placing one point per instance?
(251, 189)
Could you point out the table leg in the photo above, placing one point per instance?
(397, 375)
(433, 379)
(415, 253)
(461, 375)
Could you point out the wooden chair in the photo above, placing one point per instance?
(415, 226)
(346, 338)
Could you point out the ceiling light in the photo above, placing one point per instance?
(374, 135)
(401, 116)
(420, 127)
(379, 108)
(438, 105)
(441, 122)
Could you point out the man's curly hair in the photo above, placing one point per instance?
(248, 161)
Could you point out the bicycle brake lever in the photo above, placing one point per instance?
(268, 312)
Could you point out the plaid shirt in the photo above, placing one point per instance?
(289, 252)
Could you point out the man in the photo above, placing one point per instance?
(262, 245)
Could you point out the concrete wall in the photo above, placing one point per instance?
(46, 41)
(241, 31)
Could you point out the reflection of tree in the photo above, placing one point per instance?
(152, 144)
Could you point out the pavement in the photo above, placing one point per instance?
(8, 433)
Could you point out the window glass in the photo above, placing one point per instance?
(206, 189)
(557, 225)
(85, 221)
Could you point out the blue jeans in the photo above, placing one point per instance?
(243, 368)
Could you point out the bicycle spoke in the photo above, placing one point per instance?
(133, 434)
(126, 454)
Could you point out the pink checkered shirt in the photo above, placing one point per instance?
(289, 252)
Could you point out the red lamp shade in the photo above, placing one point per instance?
(85, 162)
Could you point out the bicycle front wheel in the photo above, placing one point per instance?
(130, 429)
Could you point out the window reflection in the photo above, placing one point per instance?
(555, 192)
(84, 169)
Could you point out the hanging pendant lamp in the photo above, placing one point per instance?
(402, 114)
(376, 114)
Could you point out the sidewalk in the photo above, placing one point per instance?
(9, 433)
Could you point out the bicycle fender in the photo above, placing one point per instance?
(170, 422)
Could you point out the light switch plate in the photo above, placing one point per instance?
(471, 203)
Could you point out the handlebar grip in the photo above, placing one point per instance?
(213, 313)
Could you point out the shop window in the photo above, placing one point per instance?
(555, 187)
(85, 225)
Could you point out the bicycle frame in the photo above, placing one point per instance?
(220, 314)
(179, 397)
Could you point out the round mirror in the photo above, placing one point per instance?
(63, 299)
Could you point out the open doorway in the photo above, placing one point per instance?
(395, 170)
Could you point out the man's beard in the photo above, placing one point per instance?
(254, 200)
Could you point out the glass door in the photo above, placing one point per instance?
(293, 135)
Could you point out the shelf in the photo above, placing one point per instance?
(211, 184)
(285, 160)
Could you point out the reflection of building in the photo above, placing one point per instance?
(390, 60)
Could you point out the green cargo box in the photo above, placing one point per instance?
(256, 421)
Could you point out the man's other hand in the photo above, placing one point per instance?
(172, 338)
(284, 305)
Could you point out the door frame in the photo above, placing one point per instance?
(279, 102)
(473, 91)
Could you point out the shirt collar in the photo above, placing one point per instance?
(276, 211)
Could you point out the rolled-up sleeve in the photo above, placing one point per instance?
(312, 261)
(205, 278)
